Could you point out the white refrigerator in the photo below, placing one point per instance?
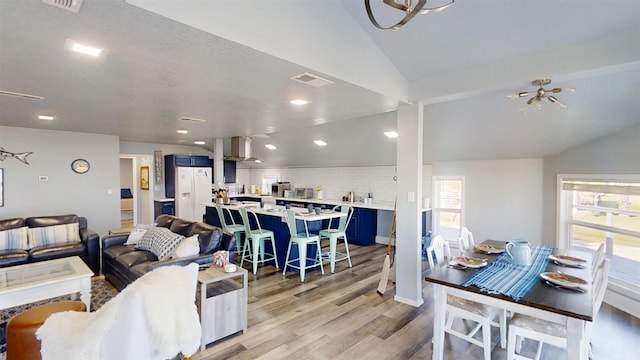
(193, 189)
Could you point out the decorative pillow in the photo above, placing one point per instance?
(49, 235)
(14, 239)
(188, 247)
(137, 233)
(160, 241)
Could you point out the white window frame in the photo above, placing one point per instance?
(437, 208)
(620, 293)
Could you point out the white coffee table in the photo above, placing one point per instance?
(23, 284)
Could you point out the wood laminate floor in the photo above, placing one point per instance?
(341, 316)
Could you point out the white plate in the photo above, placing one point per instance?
(568, 260)
(489, 249)
(470, 262)
(563, 279)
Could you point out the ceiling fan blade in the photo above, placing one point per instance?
(554, 100)
(557, 90)
(518, 95)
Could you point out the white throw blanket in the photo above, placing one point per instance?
(155, 317)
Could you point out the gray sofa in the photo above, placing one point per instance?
(88, 249)
(122, 264)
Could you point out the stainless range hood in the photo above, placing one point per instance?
(240, 149)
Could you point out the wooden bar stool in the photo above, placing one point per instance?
(22, 343)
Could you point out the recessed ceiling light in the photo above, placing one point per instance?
(182, 131)
(72, 45)
(391, 134)
(270, 147)
(258, 160)
(299, 102)
(45, 117)
(199, 142)
(320, 142)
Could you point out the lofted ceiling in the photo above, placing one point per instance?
(229, 63)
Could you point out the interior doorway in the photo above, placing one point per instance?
(128, 192)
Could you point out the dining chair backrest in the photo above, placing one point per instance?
(290, 216)
(599, 285)
(438, 249)
(343, 221)
(598, 257)
(465, 241)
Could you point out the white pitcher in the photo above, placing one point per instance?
(519, 251)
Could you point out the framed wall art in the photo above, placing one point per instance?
(157, 158)
(1, 187)
(144, 178)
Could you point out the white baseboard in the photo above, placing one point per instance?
(411, 302)
(384, 240)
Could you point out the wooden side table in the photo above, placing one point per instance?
(222, 303)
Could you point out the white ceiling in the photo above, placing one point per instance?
(230, 63)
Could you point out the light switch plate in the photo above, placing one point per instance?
(411, 196)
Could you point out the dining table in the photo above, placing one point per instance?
(564, 306)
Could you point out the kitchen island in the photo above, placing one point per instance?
(272, 219)
(370, 223)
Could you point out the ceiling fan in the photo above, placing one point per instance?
(542, 94)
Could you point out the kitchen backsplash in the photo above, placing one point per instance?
(337, 181)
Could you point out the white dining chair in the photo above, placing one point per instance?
(465, 241)
(598, 258)
(483, 315)
(548, 332)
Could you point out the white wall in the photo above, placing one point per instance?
(503, 198)
(126, 174)
(65, 192)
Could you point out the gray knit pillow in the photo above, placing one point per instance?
(160, 241)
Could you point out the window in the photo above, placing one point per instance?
(597, 209)
(448, 214)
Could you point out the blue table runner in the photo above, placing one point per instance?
(503, 277)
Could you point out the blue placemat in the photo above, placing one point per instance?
(504, 277)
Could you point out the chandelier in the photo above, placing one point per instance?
(542, 94)
(410, 11)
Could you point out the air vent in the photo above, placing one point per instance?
(69, 5)
(20, 95)
(184, 118)
(310, 79)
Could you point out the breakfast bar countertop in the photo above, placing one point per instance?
(279, 211)
(376, 205)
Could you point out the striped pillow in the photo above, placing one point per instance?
(14, 239)
(49, 235)
(160, 241)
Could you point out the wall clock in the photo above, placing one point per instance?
(80, 166)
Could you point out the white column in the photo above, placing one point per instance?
(409, 205)
(218, 163)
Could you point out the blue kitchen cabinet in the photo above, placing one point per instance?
(163, 207)
(229, 172)
(363, 226)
